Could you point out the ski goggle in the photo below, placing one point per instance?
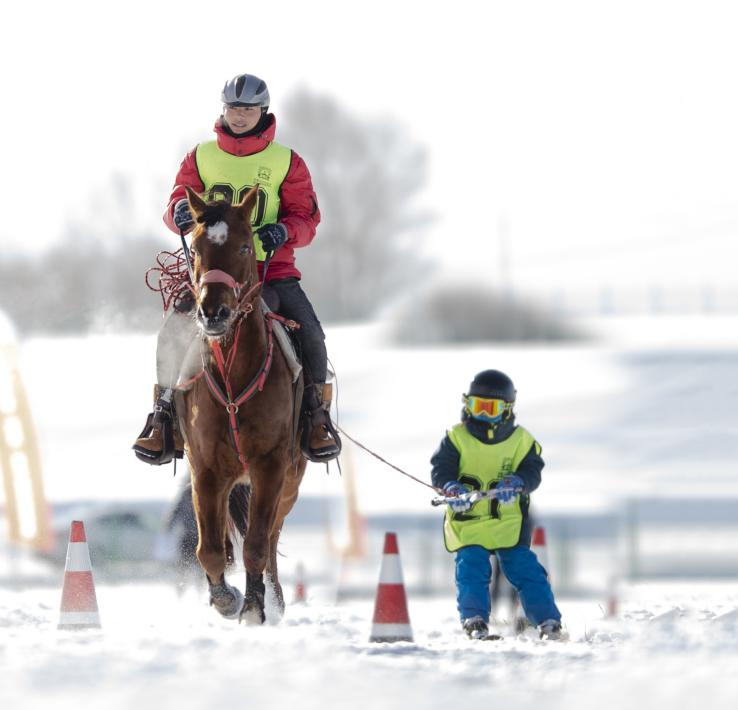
(484, 408)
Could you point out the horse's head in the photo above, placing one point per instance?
(224, 261)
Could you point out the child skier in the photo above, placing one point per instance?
(486, 451)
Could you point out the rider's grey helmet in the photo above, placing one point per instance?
(245, 90)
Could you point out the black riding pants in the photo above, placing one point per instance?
(286, 297)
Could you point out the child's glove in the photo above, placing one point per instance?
(182, 216)
(509, 488)
(453, 489)
(272, 236)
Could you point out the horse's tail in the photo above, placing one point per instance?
(238, 507)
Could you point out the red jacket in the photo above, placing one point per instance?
(298, 209)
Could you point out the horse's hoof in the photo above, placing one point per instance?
(278, 604)
(252, 614)
(227, 600)
(253, 605)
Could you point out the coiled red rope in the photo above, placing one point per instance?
(173, 278)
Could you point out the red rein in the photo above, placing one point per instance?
(225, 363)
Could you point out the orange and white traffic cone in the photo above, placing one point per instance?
(79, 603)
(538, 546)
(391, 620)
(300, 591)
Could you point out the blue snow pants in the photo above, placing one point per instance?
(522, 569)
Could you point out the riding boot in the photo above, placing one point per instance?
(160, 440)
(320, 440)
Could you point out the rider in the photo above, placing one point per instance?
(487, 450)
(286, 216)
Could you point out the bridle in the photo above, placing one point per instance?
(216, 276)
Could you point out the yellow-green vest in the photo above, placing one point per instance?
(482, 466)
(229, 177)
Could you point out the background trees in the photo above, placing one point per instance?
(367, 173)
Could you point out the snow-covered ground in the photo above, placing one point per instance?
(647, 409)
(672, 647)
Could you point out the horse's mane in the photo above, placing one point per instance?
(214, 212)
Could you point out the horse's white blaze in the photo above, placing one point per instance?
(218, 233)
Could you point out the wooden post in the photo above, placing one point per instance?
(28, 525)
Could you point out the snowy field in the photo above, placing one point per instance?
(656, 397)
(647, 409)
(672, 648)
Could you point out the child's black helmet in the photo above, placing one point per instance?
(492, 384)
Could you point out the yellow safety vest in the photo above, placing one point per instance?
(482, 466)
(229, 177)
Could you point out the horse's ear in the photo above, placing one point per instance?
(197, 204)
(247, 203)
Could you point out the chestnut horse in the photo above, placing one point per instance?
(237, 420)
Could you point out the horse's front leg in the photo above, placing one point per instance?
(272, 573)
(287, 500)
(210, 497)
(266, 486)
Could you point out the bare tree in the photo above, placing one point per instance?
(367, 175)
(93, 278)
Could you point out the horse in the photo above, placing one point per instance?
(233, 438)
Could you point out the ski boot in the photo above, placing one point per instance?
(476, 628)
(550, 630)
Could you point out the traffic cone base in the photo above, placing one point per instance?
(391, 620)
(391, 633)
(79, 620)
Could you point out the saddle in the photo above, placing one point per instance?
(287, 344)
(318, 429)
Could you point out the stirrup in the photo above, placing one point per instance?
(164, 419)
(307, 428)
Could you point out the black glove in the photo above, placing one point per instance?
(182, 216)
(272, 236)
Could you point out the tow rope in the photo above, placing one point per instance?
(387, 463)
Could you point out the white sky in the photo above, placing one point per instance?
(604, 134)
